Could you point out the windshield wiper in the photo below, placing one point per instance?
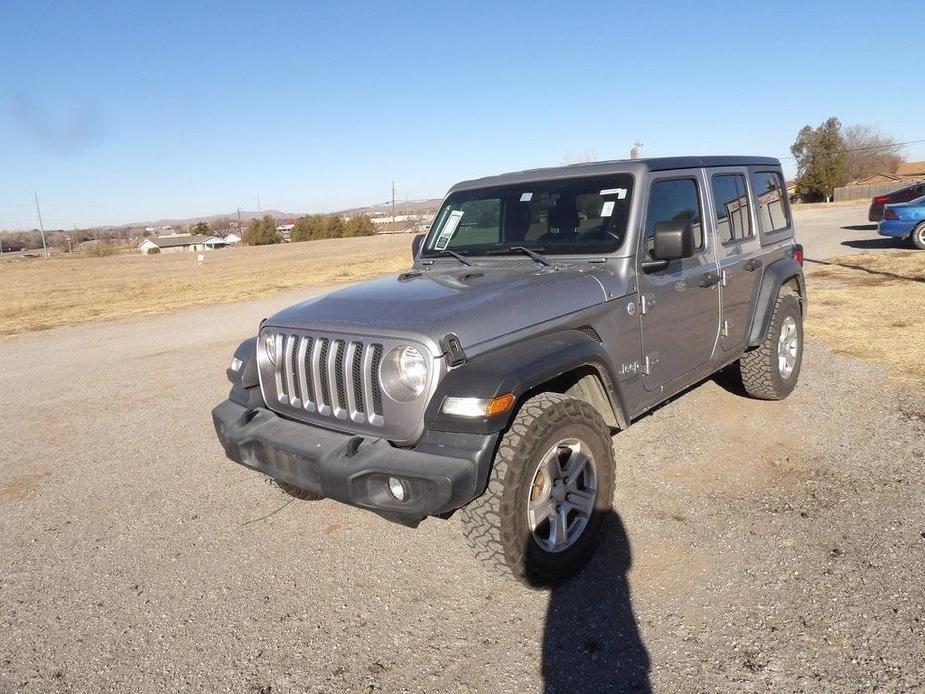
(541, 259)
(450, 254)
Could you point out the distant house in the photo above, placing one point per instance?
(232, 240)
(907, 172)
(174, 244)
(214, 242)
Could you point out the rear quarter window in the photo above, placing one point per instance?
(770, 202)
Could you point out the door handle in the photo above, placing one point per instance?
(708, 280)
(752, 265)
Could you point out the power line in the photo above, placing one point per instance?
(892, 145)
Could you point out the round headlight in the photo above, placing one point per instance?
(403, 373)
(269, 346)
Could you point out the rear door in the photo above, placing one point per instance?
(680, 318)
(738, 251)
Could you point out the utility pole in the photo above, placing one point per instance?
(259, 210)
(239, 223)
(41, 226)
(393, 202)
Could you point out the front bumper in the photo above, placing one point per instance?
(896, 228)
(443, 472)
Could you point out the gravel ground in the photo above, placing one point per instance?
(758, 547)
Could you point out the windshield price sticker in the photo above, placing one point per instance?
(619, 192)
(607, 209)
(526, 197)
(446, 234)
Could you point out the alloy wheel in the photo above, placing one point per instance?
(562, 495)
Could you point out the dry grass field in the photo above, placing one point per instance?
(872, 306)
(65, 290)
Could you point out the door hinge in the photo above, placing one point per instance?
(725, 328)
(647, 366)
(643, 305)
(722, 280)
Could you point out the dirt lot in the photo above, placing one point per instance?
(759, 546)
(66, 290)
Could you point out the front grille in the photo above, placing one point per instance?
(330, 377)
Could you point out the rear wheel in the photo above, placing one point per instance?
(770, 371)
(918, 237)
(550, 488)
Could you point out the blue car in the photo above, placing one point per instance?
(905, 220)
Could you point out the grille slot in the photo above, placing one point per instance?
(325, 386)
(377, 391)
(357, 370)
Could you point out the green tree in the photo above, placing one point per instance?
(201, 228)
(360, 225)
(822, 163)
(308, 228)
(334, 227)
(262, 232)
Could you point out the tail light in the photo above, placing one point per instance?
(881, 200)
(797, 254)
(889, 214)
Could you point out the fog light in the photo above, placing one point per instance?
(236, 364)
(397, 489)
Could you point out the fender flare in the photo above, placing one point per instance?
(521, 368)
(775, 276)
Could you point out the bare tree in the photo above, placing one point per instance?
(870, 151)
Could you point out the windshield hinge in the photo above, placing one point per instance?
(643, 305)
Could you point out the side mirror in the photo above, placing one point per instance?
(674, 240)
(671, 241)
(416, 245)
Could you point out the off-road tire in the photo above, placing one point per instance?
(495, 524)
(918, 237)
(758, 368)
(297, 492)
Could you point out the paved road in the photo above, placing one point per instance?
(759, 546)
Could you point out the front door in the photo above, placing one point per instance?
(738, 250)
(681, 304)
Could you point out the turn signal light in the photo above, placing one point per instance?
(500, 404)
(478, 407)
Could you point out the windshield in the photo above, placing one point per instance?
(570, 216)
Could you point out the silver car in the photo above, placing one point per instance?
(544, 312)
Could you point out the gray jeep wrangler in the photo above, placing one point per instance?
(545, 311)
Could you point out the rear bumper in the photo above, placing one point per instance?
(895, 227)
(441, 473)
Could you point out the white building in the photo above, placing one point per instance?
(174, 244)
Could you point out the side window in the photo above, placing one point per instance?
(672, 200)
(772, 210)
(730, 198)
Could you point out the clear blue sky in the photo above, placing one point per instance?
(116, 112)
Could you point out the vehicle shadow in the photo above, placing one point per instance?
(861, 227)
(876, 244)
(869, 271)
(591, 639)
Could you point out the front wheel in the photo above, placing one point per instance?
(770, 371)
(550, 488)
(918, 237)
(297, 492)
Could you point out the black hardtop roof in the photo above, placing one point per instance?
(602, 168)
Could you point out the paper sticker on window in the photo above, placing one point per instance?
(526, 197)
(619, 192)
(607, 208)
(452, 224)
